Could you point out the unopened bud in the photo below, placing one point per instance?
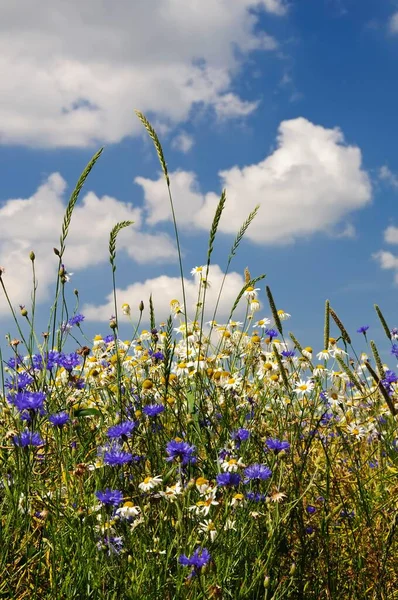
(113, 324)
(292, 569)
(267, 581)
(76, 292)
(32, 256)
(56, 251)
(141, 306)
(24, 312)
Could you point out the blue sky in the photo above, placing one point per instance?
(291, 105)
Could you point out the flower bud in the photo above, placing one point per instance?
(32, 256)
(141, 306)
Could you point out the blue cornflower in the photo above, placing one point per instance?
(347, 514)
(271, 333)
(123, 428)
(21, 382)
(257, 471)
(240, 435)
(28, 438)
(363, 329)
(276, 445)
(68, 361)
(59, 419)
(390, 377)
(255, 497)
(153, 410)
(326, 418)
(156, 355)
(113, 544)
(309, 530)
(288, 353)
(108, 339)
(116, 456)
(324, 396)
(76, 320)
(199, 559)
(178, 449)
(52, 359)
(29, 400)
(394, 350)
(37, 361)
(310, 509)
(14, 361)
(228, 479)
(110, 497)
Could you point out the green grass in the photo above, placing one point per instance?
(321, 523)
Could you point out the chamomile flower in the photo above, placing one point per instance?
(251, 293)
(203, 506)
(126, 309)
(304, 387)
(231, 465)
(283, 315)
(172, 492)
(198, 271)
(209, 528)
(254, 305)
(356, 430)
(323, 355)
(150, 483)
(262, 323)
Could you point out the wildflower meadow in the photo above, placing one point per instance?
(198, 458)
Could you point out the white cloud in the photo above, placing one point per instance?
(387, 260)
(182, 142)
(393, 23)
(164, 289)
(278, 7)
(73, 72)
(385, 174)
(391, 235)
(310, 183)
(347, 232)
(35, 224)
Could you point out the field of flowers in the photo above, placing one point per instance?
(197, 459)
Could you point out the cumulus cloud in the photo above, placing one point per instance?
(182, 142)
(391, 235)
(309, 184)
(385, 174)
(149, 55)
(393, 23)
(87, 243)
(164, 289)
(388, 261)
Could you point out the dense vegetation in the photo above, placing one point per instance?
(197, 459)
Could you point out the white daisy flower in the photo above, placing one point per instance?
(262, 323)
(283, 315)
(251, 293)
(150, 483)
(304, 387)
